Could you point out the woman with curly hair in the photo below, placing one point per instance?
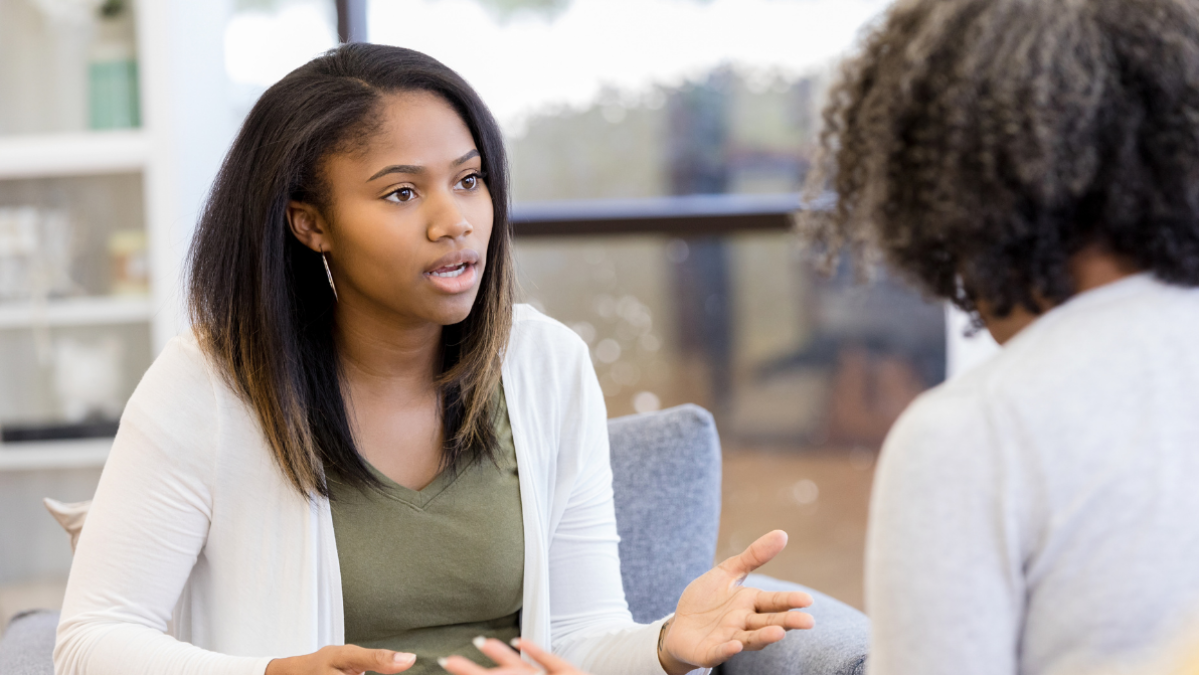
(1035, 162)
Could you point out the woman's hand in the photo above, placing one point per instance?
(509, 661)
(717, 617)
(343, 660)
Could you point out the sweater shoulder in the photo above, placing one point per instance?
(533, 332)
(180, 393)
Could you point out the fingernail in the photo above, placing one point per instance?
(515, 642)
(479, 642)
(403, 657)
(442, 661)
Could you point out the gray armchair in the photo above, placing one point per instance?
(666, 479)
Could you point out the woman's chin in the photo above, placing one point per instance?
(452, 311)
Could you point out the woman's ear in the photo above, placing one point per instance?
(309, 226)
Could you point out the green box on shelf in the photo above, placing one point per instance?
(113, 95)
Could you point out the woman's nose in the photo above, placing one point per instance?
(446, 220)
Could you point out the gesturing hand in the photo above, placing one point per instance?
(343, 660)
(717, 617)
(509, 661)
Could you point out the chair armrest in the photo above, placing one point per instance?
(837, 645)
(27, 647)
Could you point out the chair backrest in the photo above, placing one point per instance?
(666, 480)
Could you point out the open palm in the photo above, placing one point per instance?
(717, 617)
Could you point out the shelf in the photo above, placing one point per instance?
(37, 455)
(76, 312)
(73, 154)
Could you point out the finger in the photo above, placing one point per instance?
(781, 601)
(723, 652)
(759, 553)
(784, 620)
(758, 639)
(359, 660)
(551, 663)
(499, 652)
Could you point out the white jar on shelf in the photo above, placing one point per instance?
(87, 377)
(56, 253)
(36, 253)
(18, 251)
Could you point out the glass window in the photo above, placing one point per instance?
(648, 99)
(267, 39)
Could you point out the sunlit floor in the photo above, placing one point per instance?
(819, 497)
(40, 594)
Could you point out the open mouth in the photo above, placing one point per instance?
(451, 271)
(456, 272)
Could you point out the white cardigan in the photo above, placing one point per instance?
(199, 557)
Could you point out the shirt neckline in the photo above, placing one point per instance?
(1081, 301)
(417, 499)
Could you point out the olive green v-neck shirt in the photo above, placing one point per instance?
(427, 571)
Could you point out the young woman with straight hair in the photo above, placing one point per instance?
(362, 441)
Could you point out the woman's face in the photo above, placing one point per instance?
(410, 215)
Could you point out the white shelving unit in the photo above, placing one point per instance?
(74, 154)
(51, 455)
(99, 311)
(187, 125)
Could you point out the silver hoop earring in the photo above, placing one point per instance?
(329, 275)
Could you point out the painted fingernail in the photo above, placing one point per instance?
(479, 642)
(515, 642)
(442, 661)
(403, 657)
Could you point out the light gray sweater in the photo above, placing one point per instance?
(1040, 514)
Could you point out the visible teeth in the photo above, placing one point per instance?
(457, 271)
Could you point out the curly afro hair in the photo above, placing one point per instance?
(979, 144)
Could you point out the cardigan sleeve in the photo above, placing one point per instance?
(146, 528)
(591, 623)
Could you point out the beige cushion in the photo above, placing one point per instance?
(70, 516)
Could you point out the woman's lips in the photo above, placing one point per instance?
(453, 259)
(455, 272)
(453, 278)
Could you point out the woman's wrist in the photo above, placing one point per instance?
(670, 664)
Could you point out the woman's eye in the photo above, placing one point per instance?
(470, 182)
(401, 195)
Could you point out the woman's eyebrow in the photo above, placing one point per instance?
(413, 168)
(397, 168)
(468, 156)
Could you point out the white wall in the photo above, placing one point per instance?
(962, 352)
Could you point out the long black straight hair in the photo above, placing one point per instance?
(258, 298)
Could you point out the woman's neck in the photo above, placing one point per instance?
(390, 365)
(381, 352)
(1092, 267)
